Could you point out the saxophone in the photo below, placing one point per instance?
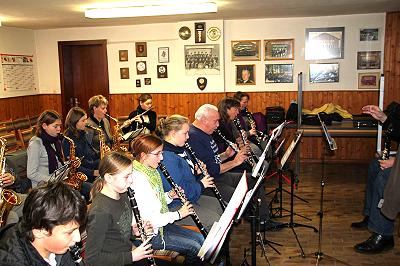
(8, 197)
(74, 179)
(117, 137)
(104, 149)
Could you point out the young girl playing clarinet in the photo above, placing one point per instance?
(109, 229)
(153, 202)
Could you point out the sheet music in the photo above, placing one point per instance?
(216, 236)
(290, 148)
(249, 196)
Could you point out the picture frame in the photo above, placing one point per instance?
(324, 43)
(141, 67)
(202, 59)
(163, 54)
(369, 60)
(147, 81)
(324, 73)
(245, 74)
(123, 55)
(369, 35)
(246, 50)
(162, 71)
(369, 80)
(124, 72)
(279, 49)
(141, 49)
(278, 73)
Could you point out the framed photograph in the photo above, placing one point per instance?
(324, 73)
(163, 54)
(369, 35)
(202, 60)
(141, 67)
(245, 74)
(162, 71)
(369, 60)
(368, 80)
(147, 81)
(324, 43)
(279, 73)
(246, 50)
(123, 55)
(281, 49)
(124, 72)
(141, 49)
(138, 84)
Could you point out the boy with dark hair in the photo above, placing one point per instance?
(50, 224)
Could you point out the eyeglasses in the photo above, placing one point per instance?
(157, 153)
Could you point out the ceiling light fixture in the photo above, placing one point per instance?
(159, 9)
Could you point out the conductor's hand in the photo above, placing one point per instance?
(375, 112)
(386, 163)
(143, 251)
(7, 179)
(207, 181)
(186, 209)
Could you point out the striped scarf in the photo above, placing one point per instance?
(155, 181)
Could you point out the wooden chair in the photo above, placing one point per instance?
(12, 144)
(33, 120)
(24, 135)
(21, 123)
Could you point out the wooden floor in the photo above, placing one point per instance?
(343, 202)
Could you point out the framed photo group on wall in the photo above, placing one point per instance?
(324, 43)
(279, 49)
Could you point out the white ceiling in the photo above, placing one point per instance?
(45, 14)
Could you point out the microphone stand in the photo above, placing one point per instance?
(330, 142)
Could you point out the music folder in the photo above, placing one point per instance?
(290, 149)
(216, 237)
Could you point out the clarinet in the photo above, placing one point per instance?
(233, 146)
(139, 222)
(75, 252)
(386, 145)
(252, 157)
(182, 198)
(205, 173)
(253, 125)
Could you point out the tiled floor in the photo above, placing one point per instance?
(343, 201)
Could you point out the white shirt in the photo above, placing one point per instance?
(148, 203)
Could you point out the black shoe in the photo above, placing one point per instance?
(361, 225)
(375, 244)
(269, 225)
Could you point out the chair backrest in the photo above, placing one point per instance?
(33, 120)
(8, 125)
(12, 142)
(21, 123)
(24, 135)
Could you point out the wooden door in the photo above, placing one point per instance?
(83, 72)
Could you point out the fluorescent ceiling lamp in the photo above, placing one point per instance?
(152, 10)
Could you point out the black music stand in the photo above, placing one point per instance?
(277, 212)
(330, 146)
(291, 224)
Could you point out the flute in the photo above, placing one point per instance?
(129, 121)
(183, 199)
(139, 222)
(205, 173)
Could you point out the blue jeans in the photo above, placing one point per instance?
(182, 240)
(377, 179)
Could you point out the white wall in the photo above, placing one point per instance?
(166, 35)
(294, 28)
(17, 41)
(124, 38)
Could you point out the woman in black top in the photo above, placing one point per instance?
(143, 119)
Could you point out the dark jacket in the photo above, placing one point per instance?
(391, 205)
(91, 159)
(16, 250)
(151, 125)
(93, 135)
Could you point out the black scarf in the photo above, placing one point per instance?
(52, 154)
